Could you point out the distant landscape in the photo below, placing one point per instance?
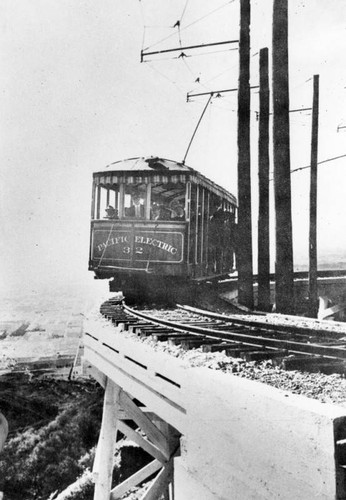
(326, 261)
(41, 323)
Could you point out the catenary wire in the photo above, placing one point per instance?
(191, 24)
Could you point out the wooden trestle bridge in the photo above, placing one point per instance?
(147, 388)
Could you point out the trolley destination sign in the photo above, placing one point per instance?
(158, 246)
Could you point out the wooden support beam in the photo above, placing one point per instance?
(160, 484)
(172, 435)
(165, 494)
(330, 311)
(3, 430)
(152, 432)
(142, 442)
(135, 479)
(100, 377)
(104, 458)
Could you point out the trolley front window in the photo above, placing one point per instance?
(162, 201)
(134, 201)
(106, 202)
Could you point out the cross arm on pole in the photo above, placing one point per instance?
(215, 92)
(179, 49)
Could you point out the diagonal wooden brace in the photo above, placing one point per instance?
(150, 429)
(142, 442)
(160, 484)
(135, 479)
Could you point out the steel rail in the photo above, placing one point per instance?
(263, 324)
(262, 341)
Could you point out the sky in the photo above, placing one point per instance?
(75, 97)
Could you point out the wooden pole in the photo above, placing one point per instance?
(103, 466)
(244, 252)
(263, 182)
(281, 143)
(313, 292)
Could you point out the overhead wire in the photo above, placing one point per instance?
(167, 78)
(182, 55)
(184, 58)
(196, 128)
(221, 51)
(320, 162)
(191, 24)
(309, 166)
(184, 10)
(187, 66)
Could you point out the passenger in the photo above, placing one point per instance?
(178, 212)
(160, 212)
(138, 207)
(165, 213)
(155, 212)
(130, 212)
(219, 215)
(136, 200)
(111, 212)
(176, 209)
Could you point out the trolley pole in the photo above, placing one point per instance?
(244, 246)
(281, 143)
(313, 291)
(263, 182)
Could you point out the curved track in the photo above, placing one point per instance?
(252, 339)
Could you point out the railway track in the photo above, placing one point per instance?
(291, 345)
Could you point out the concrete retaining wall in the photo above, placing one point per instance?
(245, 441)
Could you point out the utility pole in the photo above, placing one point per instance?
(263, 183)
(281, 143)
(244, 237)
(313, 292)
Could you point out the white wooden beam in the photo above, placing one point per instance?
(142, 442)
(135, 479)
(104, 459)
(3, 430)
(150, 429)
(326, 312)
(157, 381)
(100, 377)
(160, 484)
(172, 435)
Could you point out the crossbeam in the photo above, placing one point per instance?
(153, 433)
(215, 92)
(188, 47)
(142, 442)
(162, 444)
(160, 483)
(136, 479)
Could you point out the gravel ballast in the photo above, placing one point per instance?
(325, 388)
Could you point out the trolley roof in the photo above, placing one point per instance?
(157, 170)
